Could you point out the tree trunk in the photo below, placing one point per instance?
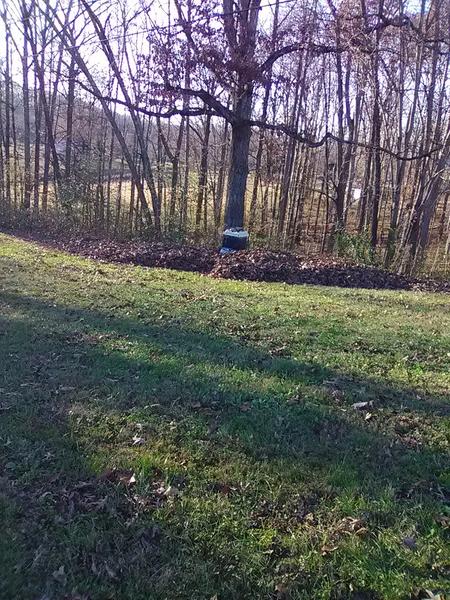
(237, 181)
(203, 174)
(240, 145)
(26, 117)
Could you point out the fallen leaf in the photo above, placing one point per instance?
(281, 591)
(293, 400)
(172, 491)
(124, 476)
(137, 441)
(213, 427)
(410, 543)
(443, 520)
(326, 549)
(219, 487)
(94, 567)
(362, 405)
(353, 525)
(60, 575)
(111, 572)
(425, 594)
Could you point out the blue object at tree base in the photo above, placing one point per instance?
(224, 250)
(234, 239)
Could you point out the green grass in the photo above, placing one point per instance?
(239, 396)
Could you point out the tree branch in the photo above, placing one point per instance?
(196, 112)
(330, 136)
(208, 99)
(166, 114)
(319, 49)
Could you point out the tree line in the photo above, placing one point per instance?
(320, 126)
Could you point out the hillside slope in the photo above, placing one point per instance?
(166, 435)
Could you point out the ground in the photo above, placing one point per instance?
(166, 435)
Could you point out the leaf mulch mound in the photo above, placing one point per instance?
(259, 265)
(154, 254)
(252, 265)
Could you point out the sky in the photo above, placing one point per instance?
(109, 10)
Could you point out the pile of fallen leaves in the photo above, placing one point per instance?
(257, 265)
(155, 254)
(252, 265)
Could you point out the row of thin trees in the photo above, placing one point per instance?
(320, 126)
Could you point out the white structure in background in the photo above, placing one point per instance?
(356, 195)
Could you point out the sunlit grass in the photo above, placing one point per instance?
(231, 405)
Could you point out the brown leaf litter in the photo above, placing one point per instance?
(251, 265)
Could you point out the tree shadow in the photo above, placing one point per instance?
(208, 397)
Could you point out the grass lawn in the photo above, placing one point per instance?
(165, 435)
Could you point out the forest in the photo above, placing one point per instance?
(321, 126)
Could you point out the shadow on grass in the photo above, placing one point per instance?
(205, 397)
